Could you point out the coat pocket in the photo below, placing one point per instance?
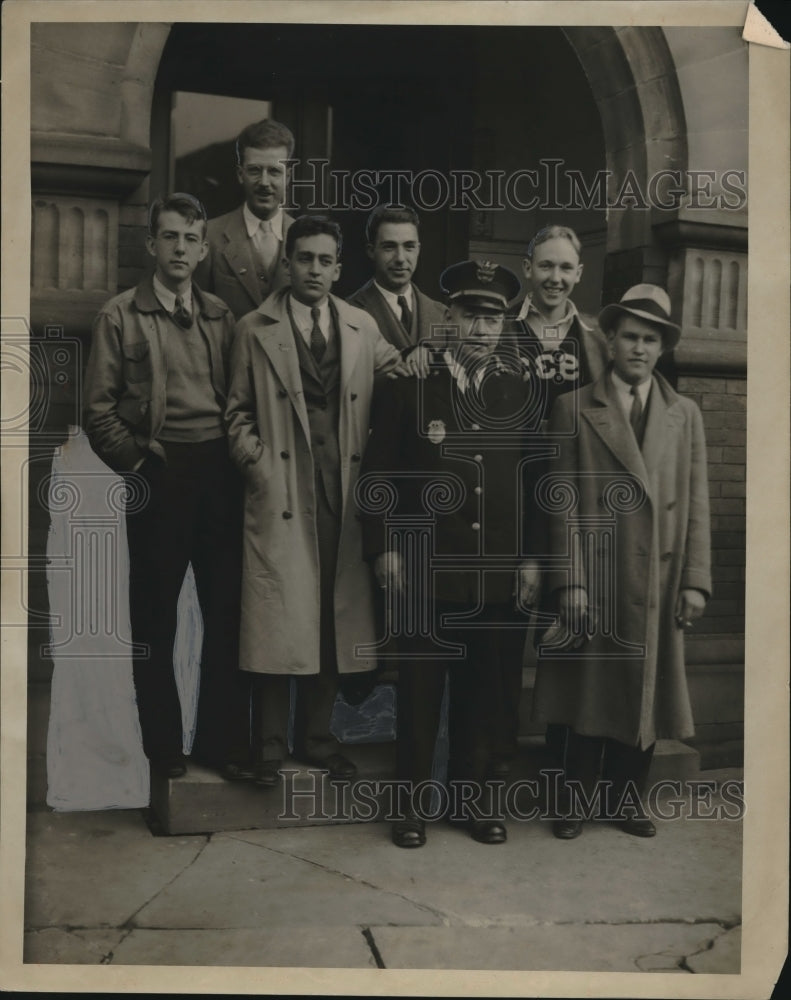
(137, 362)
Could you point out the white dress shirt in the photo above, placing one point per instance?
(253, 223)
(392, 299)
(304, 321)
(167, 298)
(624, 393)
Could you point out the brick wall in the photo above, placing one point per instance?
(723, 404)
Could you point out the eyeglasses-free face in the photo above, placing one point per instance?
(263, 175)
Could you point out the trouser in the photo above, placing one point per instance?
(593, 759)
(315, 693)
(193, 515)
(478, 716)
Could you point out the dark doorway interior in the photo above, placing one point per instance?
(391, 98)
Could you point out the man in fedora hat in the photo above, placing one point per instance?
(629, 570)
(449, 451)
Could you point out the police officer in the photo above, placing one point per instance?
(452, 549)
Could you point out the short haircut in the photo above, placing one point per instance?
(187, 206)
(389, 213)
(266, 134)
(312, 225)
(552, 233)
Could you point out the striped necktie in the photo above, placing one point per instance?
(318, 345)
(181, 314)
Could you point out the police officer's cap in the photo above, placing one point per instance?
(480, 283)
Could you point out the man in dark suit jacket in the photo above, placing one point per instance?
(448, 455)
(404, 315)
(245, 260)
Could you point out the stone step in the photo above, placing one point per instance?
(202, 802)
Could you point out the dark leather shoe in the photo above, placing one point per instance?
(567, 829)
(173, 766)
(488, 831)
(409, 832)
(638, 826)
(267, 773)
(340, 767)
(234, 771)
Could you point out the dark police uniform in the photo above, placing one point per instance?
(451, 455)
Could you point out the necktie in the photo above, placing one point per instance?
(318, 344)
(181, 314)
(636, 413)
(406, 315)
(267, 243)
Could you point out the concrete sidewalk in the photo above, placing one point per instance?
(101, 889)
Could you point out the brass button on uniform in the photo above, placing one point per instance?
(476, 427)
(478, 458)
(478, 490)
(476, 526)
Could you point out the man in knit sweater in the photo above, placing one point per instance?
(155, 395)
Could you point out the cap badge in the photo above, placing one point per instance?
(485, 271)
(436, 431)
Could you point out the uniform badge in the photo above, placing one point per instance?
(485, 271)
(436, 431)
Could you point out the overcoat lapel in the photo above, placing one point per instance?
(663, 415)
(349, 334)
(610, 424)
(277, 340)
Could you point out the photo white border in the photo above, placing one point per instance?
(765, 871)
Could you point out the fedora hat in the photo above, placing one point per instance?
(648, 302)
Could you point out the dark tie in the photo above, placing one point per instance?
(318, 344)
(406, 315)
(636, 413)
(181, 314)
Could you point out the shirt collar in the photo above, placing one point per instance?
(528, 310)
(252, 222)
(301, 313)
(392, 299)
(625, 390)
(167, 299)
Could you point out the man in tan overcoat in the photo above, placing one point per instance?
(630, 564)
(302, 375)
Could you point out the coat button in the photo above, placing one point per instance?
(478, 490)
(476, 526)
(282, 393)
(356, 457)
(478, 458)
(287, 515)
(284, 454)
(353, 396)
(476, 427)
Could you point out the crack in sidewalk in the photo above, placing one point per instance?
(371, 942)
(129, 922)
(440, 914)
